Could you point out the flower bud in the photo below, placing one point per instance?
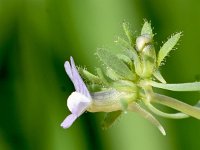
(142, 40)
(148, 59)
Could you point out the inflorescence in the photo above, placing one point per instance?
(126, 81)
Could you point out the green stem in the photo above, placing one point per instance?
(176, 104)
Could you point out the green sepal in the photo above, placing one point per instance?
(137, 62)
(124, 85)
(125, 59)
(146, 29)
(110, 118)
(130, 52)
(128, 33)
(95, 87)
(167, 47)
(89, 77)
(101, 76)
(112, 74)
(118, 66)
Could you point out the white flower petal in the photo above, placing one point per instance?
(68, 121)
(78, 103)
(77, 80)
(68, 70)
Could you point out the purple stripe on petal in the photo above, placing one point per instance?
(77, 80)
(68, 70)
(68, 121)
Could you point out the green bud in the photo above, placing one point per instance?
(142, 41)
(148, 60)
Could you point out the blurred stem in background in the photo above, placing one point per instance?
(36, 37)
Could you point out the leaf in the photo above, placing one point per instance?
(164, 114)
(158, 76)
(177, 105)
(135, 107)
(195, 86)
(167, 47)
(110, 118)
(146, 29)
(128, 33)
(118, 66)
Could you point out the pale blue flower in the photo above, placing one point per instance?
(78, 101)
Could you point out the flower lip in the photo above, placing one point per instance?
(78, 101)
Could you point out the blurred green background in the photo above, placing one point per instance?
(37, 36)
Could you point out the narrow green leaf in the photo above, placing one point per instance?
(146, 29)
(135, 107)
(167, 47)
(158, 76)
(110, 118)
(128, 33)
(164, 114)
(118, 66)
(177, 105)
(195, 86)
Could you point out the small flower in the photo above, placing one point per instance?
(79, 100)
